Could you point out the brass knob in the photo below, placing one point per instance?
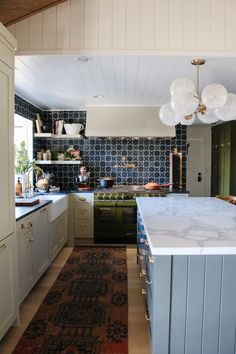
(29, 225)
(143, 291)
(30, 239)
(3, 247)
(142, 273)
(147, 316)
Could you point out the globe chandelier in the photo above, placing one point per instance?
(212, 105)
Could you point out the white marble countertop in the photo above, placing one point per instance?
(191, 225)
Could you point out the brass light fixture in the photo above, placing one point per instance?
(213, 104)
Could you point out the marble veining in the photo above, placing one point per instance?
(189, 225)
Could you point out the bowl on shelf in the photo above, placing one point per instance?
(73, 128)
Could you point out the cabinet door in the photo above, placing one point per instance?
(26, 258)
(62, 230)
(58, 235)
(8, 300)
(53, 239)
(6, 152)
(215, 162)
(41, 242)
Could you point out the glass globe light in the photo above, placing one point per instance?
(228, 111)
(168, 116)
(188, 120)
(184, 105)
(207, 117)
(214, 95)
(182, 86)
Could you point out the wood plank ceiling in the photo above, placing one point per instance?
(70, 82)
(12, 11)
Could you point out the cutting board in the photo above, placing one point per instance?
(26, 202)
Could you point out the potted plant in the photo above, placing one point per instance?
(24, 166)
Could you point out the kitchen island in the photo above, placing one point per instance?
(187, 257)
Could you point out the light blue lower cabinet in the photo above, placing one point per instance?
(190, 300)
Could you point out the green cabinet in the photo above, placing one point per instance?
(224, 159)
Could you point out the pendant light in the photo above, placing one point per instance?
(213, 104)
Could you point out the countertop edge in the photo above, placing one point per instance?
(26, 211)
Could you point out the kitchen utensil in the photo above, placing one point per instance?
(74, 128)
(106, 182)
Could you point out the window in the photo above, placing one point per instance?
(23, 131)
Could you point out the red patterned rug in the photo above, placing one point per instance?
(86, 309)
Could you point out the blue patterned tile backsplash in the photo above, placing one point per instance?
(150, 156)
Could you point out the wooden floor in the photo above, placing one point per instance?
(138, 333)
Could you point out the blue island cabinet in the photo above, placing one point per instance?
(190, 300)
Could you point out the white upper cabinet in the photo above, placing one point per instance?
(161, 26)
(7, 44)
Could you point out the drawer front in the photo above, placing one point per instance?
(83, 212)
(82, 228)
(83, 198)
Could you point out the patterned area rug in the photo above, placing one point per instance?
(86, 310)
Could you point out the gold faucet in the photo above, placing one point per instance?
(125, 163)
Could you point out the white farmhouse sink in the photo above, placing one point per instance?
(57, 207)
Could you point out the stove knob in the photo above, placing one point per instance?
(122, 196)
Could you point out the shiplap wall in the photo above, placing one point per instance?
(135, 25)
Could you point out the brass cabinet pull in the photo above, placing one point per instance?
(151, 259)
(222, 145)
(28, 226)
(143, 291)
(3, 247)
(30, 239)
(82, 199)
(43, 210)
(142, 273)
(148, 317)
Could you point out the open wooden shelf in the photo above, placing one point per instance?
(57, 136)
(59, 162)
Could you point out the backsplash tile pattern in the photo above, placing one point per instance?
(26, 109)
(151, 157)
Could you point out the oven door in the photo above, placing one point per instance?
(115, 222)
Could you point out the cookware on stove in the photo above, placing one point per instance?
(106, 182)
(153, 186)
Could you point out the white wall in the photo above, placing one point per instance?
(193, 27)
(200, 157)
